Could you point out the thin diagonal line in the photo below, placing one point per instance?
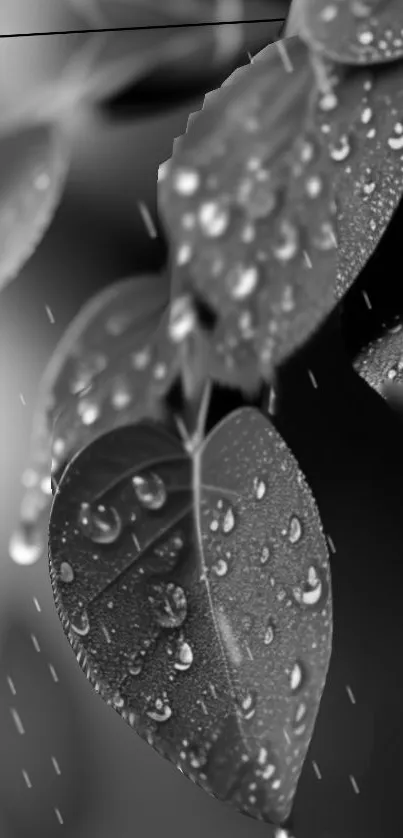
(141, 28)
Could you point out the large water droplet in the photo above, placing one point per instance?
(150, 490)
(160, 711)
(186, 181)
(228, 523)
(341, 150)
(241, 281)
(102, 524)
(311, 592)
(220, 567)
(185, 656)
(296, 677)
(213, 219)
(169, 604)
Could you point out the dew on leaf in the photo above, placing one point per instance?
(295, 530)
(66, 572)
(101, 524)
(150, 490)
(81, 624)
(169, 604)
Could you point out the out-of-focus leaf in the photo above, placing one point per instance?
(360, 120)
(111, 367)
(247, 202)
(33, 167)
(193, 585)
(351, 31)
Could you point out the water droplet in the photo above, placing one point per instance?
(328, 102)
(287, 246)
(300, 712)
(257, 198)
(81, 624)
(213, 219)
(197, 755)
(366, 115)
(341, 150)
(241, 281)
(102, 524)
(186, 181)
(228, 523)
(141, 359)
(66, 572)
(185, 656)
(325, 239)
(150, 490)
(296, 677)
(136, 664)
(161, 711)
(314, 186)
(311, 593)
(26, 545)
(259, 487)
(269, 633)
(182, 318)
(265, 554)
(247, 704)
(295, 530)
(365, 37)
(88, 411)
(169, 604)
(220, 567)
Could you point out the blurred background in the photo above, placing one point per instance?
(68, 763)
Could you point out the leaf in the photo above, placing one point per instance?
(193, 585)
(359, 118)
(352, 31)
(33, 168)
(111, 367)
(380, 364)
(247, 204)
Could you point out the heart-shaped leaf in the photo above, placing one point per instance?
(359, 118)
(351, 31)
(247, 203)
(111, 367)
(194, 587)
(33, 167)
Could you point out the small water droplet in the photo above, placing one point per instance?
(88, 411)
(296, 677)
(269, 633)
(295, 530)
(141, 359)
(241, 281)
(213, 219)
(314, 186)
(247, 704)
(186, 181)
(182, 318)
(341, 150)
(220, 567)
(365, 37)
(288, 242)
(66, 572)
(265, 554)
(150, 490)
(185, 656)
(259, 487)
(136, 664)
(228, 523)
(169, 604)
(311, 593)
(102, 525)
(161, 711)
(81, 624)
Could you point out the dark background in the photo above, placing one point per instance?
(348, 443)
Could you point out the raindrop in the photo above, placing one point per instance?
(241, 281)
(213, 218)
(136, 664)
(312, 591)
(265, 554)
(220, 567)
(341, 150)
(161, 713)
(169, 604)
(296, 677)
(185, 656)
(81, 625)
(141, 359)
(259, 487)
(295, 530)
(365, 37)
(314, 186)
(269, 633)
(182, 318)
(287, 247)
(150, 490)
(328, 102)
(258, 199)
(89, 412)
(102, 525)
(247, 704)
(66, 572)
(26, 545)
(228, 523)
(186, 181)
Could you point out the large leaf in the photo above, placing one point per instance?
(360, 120)
(111, 367)
(351, 31)
(247, 202)
(193, 584)
(33, 167)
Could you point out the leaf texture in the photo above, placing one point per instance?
(194, 588)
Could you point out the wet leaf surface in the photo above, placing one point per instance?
(33, 167)
(111, 367)
(354, 31)
(247, 203)
(195, 591)
(380, 364)
(360, 121)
